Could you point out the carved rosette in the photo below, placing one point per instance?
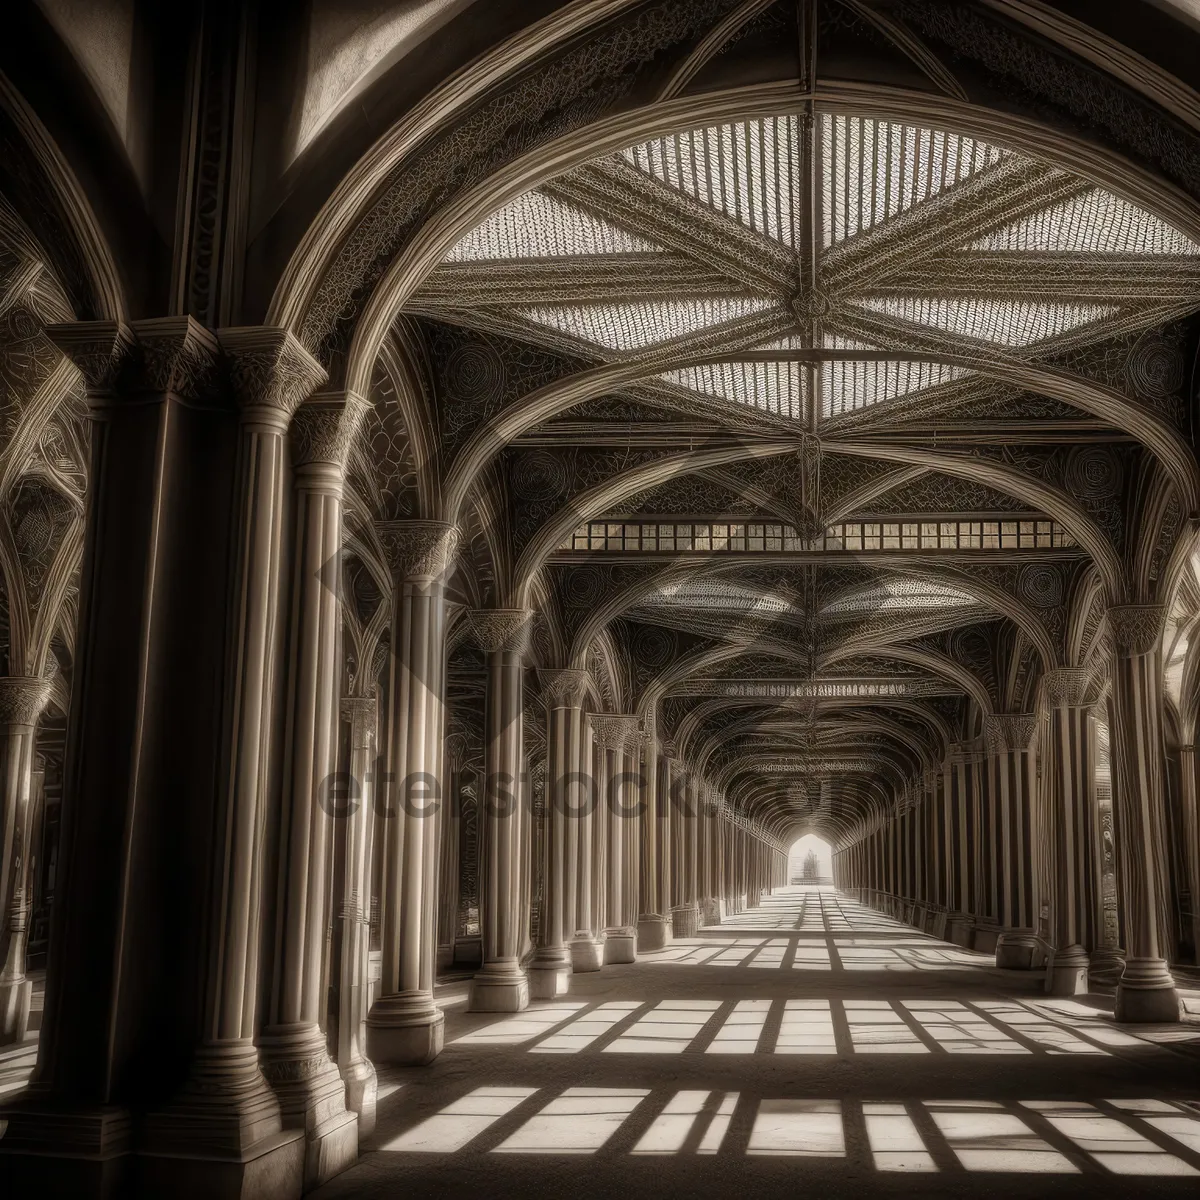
(270, 372)
(417, 549)
(324, 427)
(1135, 628)
(616, 732)
(1005, 732)
(1068, 687)
(497, 630)
(102, 352)
(22, 698)
(360, 711)
(563, 688)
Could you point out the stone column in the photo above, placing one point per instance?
(1146, 991)
(501, 985)
(296, 1060)
(619, 740)
(683, 910)
(962, 837)
(654, 925)
(1191, 835)
(587, 950)
(1074, 837)
(21, 703)
(226, 1124)
(404, 1026)
(355, 914)
(564, 690)
(1011, 789)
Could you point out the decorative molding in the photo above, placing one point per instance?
(1007, 732)
(22, 698)
(270, 372)
(564, 687)
(1068, 687)
(1135, 628)
(324, 427)
(501, 629)
(418, 549)
(616, 731)
(180, 357)
(102, 351)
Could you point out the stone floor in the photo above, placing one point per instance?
(807, 1047)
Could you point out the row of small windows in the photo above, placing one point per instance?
(767, 538)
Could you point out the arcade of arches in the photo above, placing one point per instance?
(480, 481)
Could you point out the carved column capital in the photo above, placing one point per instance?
(417, 549)
(501, 629)
(102, 352)
(616, 731)
(1004, 732)
(563, 688)
(22, 698)
(360, 711)
(270, 373)
(323, 429)
(1068, 687)
(1135, 628)
(177, 355)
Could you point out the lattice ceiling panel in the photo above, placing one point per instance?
(875, 169)
(773, 387)
(538, 226)
(848, 386)
(720, 596)
(1095, 223)
(749, 170)
(900, 595)
(1007, 322)
(633, 326)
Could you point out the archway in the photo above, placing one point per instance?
(800, 870)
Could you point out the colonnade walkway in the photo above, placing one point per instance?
(809, 1046)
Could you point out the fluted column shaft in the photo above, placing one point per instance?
(405, 1026)
(618, 740)
(296, 1061)
(1146, 991)
(1190, 812)
(501, 984)
(653, 924)
(1074, 837)
(355, 913)
(565, 795)
(21, 702)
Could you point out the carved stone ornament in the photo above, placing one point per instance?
(1136, 628)
(564, 688)
(22, 698)
(270, 372)
(501, 629)
(102, 351)
(361, 712)
(1006, 732)
(324, 427)
(616, 732)
(179, 356)
(417, 549)
(1068, 687)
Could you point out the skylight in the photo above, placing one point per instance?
(847, 386)
(1008, 322)
(773, 387)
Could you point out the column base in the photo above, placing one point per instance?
(499, 987)
(1067, 974)
(1106, 965)
(312, 1097)
(272, 1169)
(51, 1151)
(684, 921)
(405, 1030)
(620, 947)
(587, 953)
(362, 1092)
(710, 912)
(550, 973)
(984, 938)
(1016, 950)
(916, 918)
(15, 999)
(653, 932)
(958, 930)
(1146, 993)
